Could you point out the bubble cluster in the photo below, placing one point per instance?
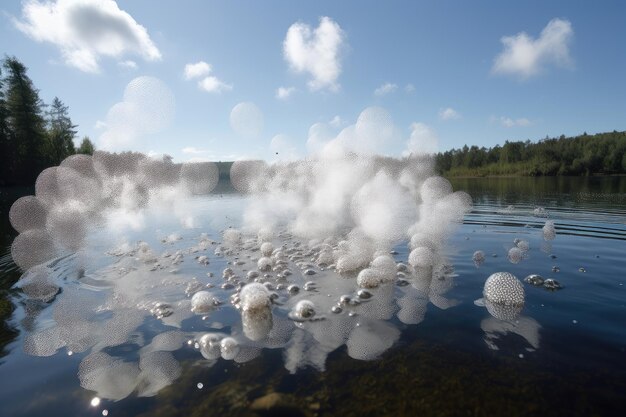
(549, 230)
(327, 252)
(106, 190)
(478, 258)
(504, 296)
(504, 288)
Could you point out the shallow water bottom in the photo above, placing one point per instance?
(422, 377)
(455, 362)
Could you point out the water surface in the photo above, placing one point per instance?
(564, 355)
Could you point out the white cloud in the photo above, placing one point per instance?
(409, 88)
(386, 88)
(283, 93)
(508, 122)
(197, 70)
(213, 85)
(208, 83)
(246, 119)
(128, 64)
(525, 56)
(190, 150)
(449, 114)
(147, 108)
(86, 30)
(423, 140)
(100, 124)
(372, 133)
(336, 122)
(316, 52)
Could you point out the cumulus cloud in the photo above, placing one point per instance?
(197, 70)
(316, 52)
(386, 88)
(147, 108)
(336, 122)
(128, 64)
(283, 93)
(213, 85)
(409, 88)
(246, 119)
(509, 122)
(86, 30)
(449, 114)
(524, 56)
(373, 132)
(208, 83)
(423, 140)
(190, 150)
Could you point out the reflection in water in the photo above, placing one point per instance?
(110, 307)
(526, 327)
(311, 270)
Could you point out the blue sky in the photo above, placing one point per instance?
(447, 73)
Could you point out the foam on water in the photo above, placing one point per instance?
(310, 268)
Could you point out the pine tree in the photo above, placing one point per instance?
(6, 154)
(86, 146)
(61, 132)
(25, 122)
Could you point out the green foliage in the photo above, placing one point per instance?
(86, 146)
(61, 132)
(25, 122)
(604, 153)
(31, 138)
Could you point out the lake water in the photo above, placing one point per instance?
(406, 351)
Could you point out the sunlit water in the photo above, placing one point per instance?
(577, 330)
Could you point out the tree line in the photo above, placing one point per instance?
(602, 153)
(33, 135)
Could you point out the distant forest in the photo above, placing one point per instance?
(33, 135)
(603, 153)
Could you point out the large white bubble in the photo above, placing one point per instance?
(246, 119)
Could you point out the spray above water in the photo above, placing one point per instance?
(311, 266)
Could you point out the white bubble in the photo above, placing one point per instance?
(229, 348)
(202, 302)
(267, 248)
(435, 188)
(368, 278)
(33, 247)
(200, 178)
(504, 288)
(232, 236)
(264, 264)
(303, 310)
(515, 255)
(422, 257)
(27, 213)
(95, 401)
(523, 245)
(210, 345)
(549, 230)
(254, 298)
(247, 176)
(154, 102)
(478, 257)
(246, 119)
